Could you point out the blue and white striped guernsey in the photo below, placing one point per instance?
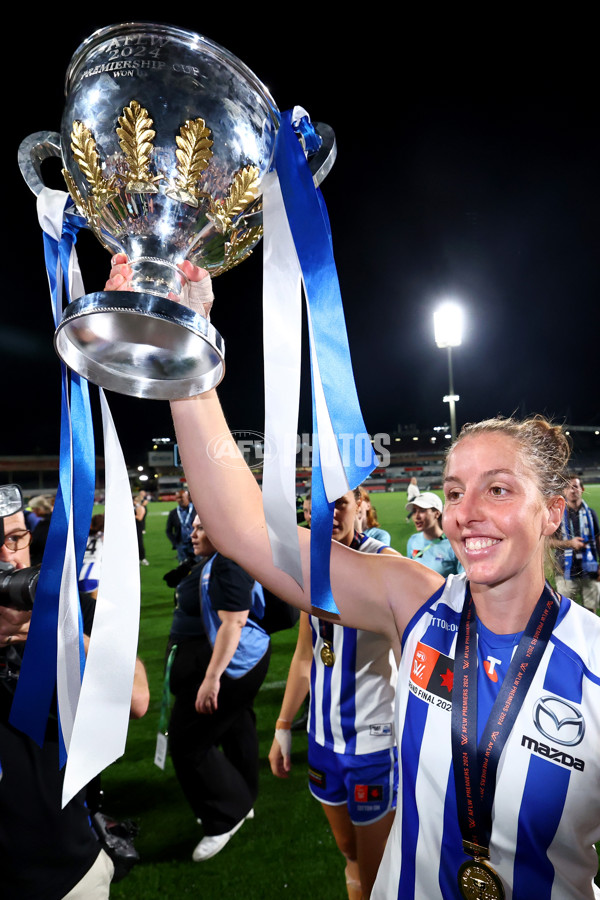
(352, 702)
(546, 815)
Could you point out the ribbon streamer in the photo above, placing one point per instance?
(93, 714)
(54, 648)
(102, 717)
(282, 335)
(342, 452)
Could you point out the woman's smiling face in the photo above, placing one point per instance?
(495, 515)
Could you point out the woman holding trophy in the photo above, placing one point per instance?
(498, 699)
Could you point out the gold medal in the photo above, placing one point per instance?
(327, 654)
(478, 881)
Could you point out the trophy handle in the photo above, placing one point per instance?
(322, 162)
(320, 165)
(32, 153)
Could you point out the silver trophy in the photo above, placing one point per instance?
(165, 139)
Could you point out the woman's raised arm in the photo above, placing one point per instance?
(373, 592)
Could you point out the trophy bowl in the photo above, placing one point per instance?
(165, 139)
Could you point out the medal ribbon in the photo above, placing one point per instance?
(475, 766)
(326, 631)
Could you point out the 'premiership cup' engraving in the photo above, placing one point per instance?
(116, 67)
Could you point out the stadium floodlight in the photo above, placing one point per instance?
(447, 326)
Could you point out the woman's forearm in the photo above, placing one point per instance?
(227, 496)
(298, 680)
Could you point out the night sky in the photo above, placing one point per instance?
(468, 166)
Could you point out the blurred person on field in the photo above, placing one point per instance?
(307, 509)
(140, 503)
(412, 490)
(41, 507)
(578, 543)
(179, 526)
(429, 545)
(367, 522)
(218, 656)
(92, 558)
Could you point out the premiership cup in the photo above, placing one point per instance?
(165, 140)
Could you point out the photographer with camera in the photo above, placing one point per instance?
(45, 851)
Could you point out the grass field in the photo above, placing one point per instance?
(287, 850)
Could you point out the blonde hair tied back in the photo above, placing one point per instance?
(544, 447)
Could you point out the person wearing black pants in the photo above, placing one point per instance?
(219, 658)
(215, 756)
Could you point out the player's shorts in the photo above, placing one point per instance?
(368, 784)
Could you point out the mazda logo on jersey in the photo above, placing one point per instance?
(559, 721)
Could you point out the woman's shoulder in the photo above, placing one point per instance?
(577, 634)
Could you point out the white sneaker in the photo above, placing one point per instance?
(212, 844)
(144, 562)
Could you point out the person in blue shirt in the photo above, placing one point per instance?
(430, 545)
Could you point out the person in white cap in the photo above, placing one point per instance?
(430, 545)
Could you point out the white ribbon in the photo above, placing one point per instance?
(100, 729)
(334, 476)
(282, 312)
(282, 330)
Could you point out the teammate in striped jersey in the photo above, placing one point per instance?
(352, 758)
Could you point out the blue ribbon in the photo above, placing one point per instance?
(309, 224)
(37, 679)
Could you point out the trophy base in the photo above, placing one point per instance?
(140, 345)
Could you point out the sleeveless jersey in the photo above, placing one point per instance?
(546, 814)
(352, 702)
